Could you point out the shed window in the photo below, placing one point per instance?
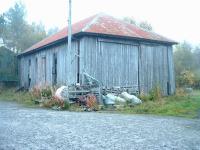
(36, 68)
(29, 73)
(54, 69)
(44, 68)
(29, 62)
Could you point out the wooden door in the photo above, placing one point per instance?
(119, 64)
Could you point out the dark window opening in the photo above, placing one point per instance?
(29, 73)
(36, 69)
(29, 62)
(44, 68)
(168, 88)
(78, 63)
(54, 69)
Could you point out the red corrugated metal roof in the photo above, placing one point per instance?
(102, 24)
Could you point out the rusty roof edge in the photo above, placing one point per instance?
(83, 29)
(42, 47)
(79, 34)
(128, 37)
(167, 39)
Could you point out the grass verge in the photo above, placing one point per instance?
(182, 106)
(24, 98)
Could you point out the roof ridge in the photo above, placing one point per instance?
(94, 20)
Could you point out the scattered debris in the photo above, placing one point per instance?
(89, 95)
(91, 80)
(132, 98)
(111, 99)
(120, 100)
(91, 102)
(62, 93)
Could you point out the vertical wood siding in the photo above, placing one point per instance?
(113, 62)
(171, 70)
(37, 73)
(156, 68)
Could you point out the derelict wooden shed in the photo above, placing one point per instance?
(112, 51)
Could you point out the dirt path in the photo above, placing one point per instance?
(24, 128)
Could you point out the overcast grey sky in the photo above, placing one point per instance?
(175, 19)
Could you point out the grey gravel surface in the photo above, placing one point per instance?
(27, 128)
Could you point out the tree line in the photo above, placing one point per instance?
(187, 65)
(15, 31)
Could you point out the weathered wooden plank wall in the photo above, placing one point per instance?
(171, 70)
(37, 69)
(155, 70)
(113, 62)
(117, 63)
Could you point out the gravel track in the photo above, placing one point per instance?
(27, 128)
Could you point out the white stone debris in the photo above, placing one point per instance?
(131, 98)
(62, 93)
(109, 99)
(119, 99)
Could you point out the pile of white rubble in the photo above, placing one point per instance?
(111, 99)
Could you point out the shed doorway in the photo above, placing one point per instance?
(119, 64)
(54, 69)
(29, 73)
(44, 73)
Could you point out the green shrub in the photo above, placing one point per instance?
(155, 94)
(46, 92)
(66, 105)
(144, 97)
